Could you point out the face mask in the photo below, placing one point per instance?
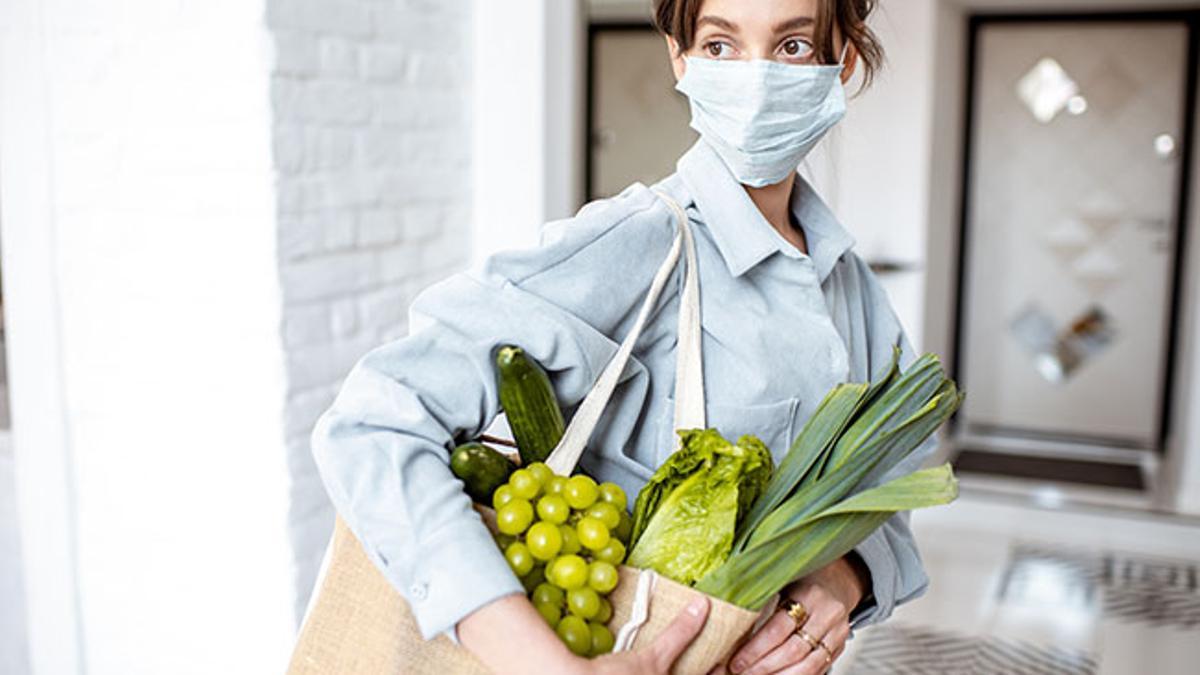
(762, 117)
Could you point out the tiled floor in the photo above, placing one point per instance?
(13, 660)
(1019, 589)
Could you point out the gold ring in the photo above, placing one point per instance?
(797, 611)
(827, 650)
(812, 641)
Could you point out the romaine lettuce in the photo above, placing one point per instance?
(686, 516)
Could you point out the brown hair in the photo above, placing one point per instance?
(677, 18)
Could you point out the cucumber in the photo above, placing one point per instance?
(528, 400)
(481, 469)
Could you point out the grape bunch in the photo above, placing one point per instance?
(564, 538)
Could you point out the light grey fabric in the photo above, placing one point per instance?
(780, 328)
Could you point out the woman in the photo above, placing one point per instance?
(788, 311)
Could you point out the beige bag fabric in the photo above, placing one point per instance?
(357, 623)
(723, 630)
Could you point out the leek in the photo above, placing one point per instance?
(749, 579)
(810, 514)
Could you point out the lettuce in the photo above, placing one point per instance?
(686, 515)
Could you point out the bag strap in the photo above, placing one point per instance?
(689, 375)
(689, 361)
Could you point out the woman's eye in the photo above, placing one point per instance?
(796, 48)
(717, 49)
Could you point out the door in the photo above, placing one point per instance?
(638, 123)
(1073, 205)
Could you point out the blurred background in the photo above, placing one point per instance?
(209, 211)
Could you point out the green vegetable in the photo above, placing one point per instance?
(751, 578)
(481, 469)
(528, 401)
(810, 514)
(686, 516)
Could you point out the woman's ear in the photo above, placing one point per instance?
(678, 64)
(851, 63)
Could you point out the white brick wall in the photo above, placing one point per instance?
(219, 208)
(139, 219)
(371, 139)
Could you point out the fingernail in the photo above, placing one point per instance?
(696, 607)
(738, 666)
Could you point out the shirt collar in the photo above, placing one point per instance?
(742, 234)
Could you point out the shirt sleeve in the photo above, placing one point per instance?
(890, 553)
(382, 448)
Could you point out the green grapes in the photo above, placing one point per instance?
(554, 509)
(502, 495)
(611, 493)
(519, 558)
(605, 513)
(525, 484)
(602, 576)
(613, 552)
(550, 611)
(544, 540)
(570, 572)
(536, 577)
(580, 492)
(570, 537)
(592, 533)
(624, 528)
(548, 593)
(555, 486)
(602, 638)
(514, 517)
(583, 602)
(564, 539)
(576, 633)
(542, 472)
(605, 612)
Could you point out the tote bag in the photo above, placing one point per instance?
(357, 623)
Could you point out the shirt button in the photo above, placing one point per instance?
(418, 591)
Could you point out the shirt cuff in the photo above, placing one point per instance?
(877, 605)
(460, 570)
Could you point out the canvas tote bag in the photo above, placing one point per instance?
(357, 623)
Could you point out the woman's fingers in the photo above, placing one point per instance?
(672, 641)
(772, 634)
(796, 649)
(838, 637)
(836, 641)
(792, 651)
(816, 662)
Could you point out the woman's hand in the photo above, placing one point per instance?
(657, 658)
(829, 595)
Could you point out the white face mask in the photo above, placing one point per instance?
(762, 117)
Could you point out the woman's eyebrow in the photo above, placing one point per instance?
(794, 24)
(717, 21)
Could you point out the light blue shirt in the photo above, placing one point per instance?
(780, 328)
